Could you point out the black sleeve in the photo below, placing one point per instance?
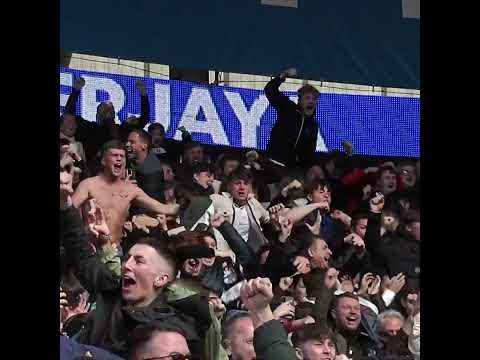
(244, 254)
(270, 342)
(337, 240)
(315, 286)
(152, 185)
(89, 269)
(279, 262)
(141, 122)
(279, 199)
(275, 97)
(343, 257)
(321, 307)
(372, 233)
(196, 306)
(144, 112)
(71, 106)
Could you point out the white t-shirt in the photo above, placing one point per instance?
(241, 222)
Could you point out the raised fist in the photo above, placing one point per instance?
(256, 294)
(79, 83)
(331, 278)
(377, 203)
(291, 72)
(216, 220)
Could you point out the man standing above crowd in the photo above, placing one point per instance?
(115, 195)
(293, 139)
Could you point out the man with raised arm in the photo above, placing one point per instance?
(114, 194)
(93, 133)
(293, 139)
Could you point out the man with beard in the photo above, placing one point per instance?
(354, 338)
(115, 195)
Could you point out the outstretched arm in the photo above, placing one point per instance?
(143, 200)
(81, 194)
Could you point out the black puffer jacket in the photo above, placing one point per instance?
(293, 138)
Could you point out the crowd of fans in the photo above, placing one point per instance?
(174, 250)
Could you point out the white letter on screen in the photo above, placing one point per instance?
(200, 98)
(89, 96)
(249, 120)
(162, 105)
(65, 80)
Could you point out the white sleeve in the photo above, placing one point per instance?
(388, 296)
(414, 338)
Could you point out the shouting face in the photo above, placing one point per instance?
(144, 272)
(114, 162)
(307, 103)
(387, 183)
(240, 189)
(348, 314)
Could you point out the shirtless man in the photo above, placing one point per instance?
(114, 194)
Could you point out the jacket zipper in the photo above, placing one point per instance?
(300, 132)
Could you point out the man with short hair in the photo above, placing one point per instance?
(115, 195)
(332, 230)
(386, 180)
(353, 336)
(314, 342)
(145, 166)
(244, 212)
(157, 341)
(359, 224)
(237, 336)
(193, 153)
(293, 139)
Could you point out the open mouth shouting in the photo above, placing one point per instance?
(128, 282)
(352, 320)
(118, 168)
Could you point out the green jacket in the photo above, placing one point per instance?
(270, 342)
(184, 291)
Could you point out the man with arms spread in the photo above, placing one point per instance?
(115, 195)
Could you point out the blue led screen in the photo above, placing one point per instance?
(376, 125)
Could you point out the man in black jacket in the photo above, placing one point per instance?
(396, 252)
(293, 139)
(93, 133)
